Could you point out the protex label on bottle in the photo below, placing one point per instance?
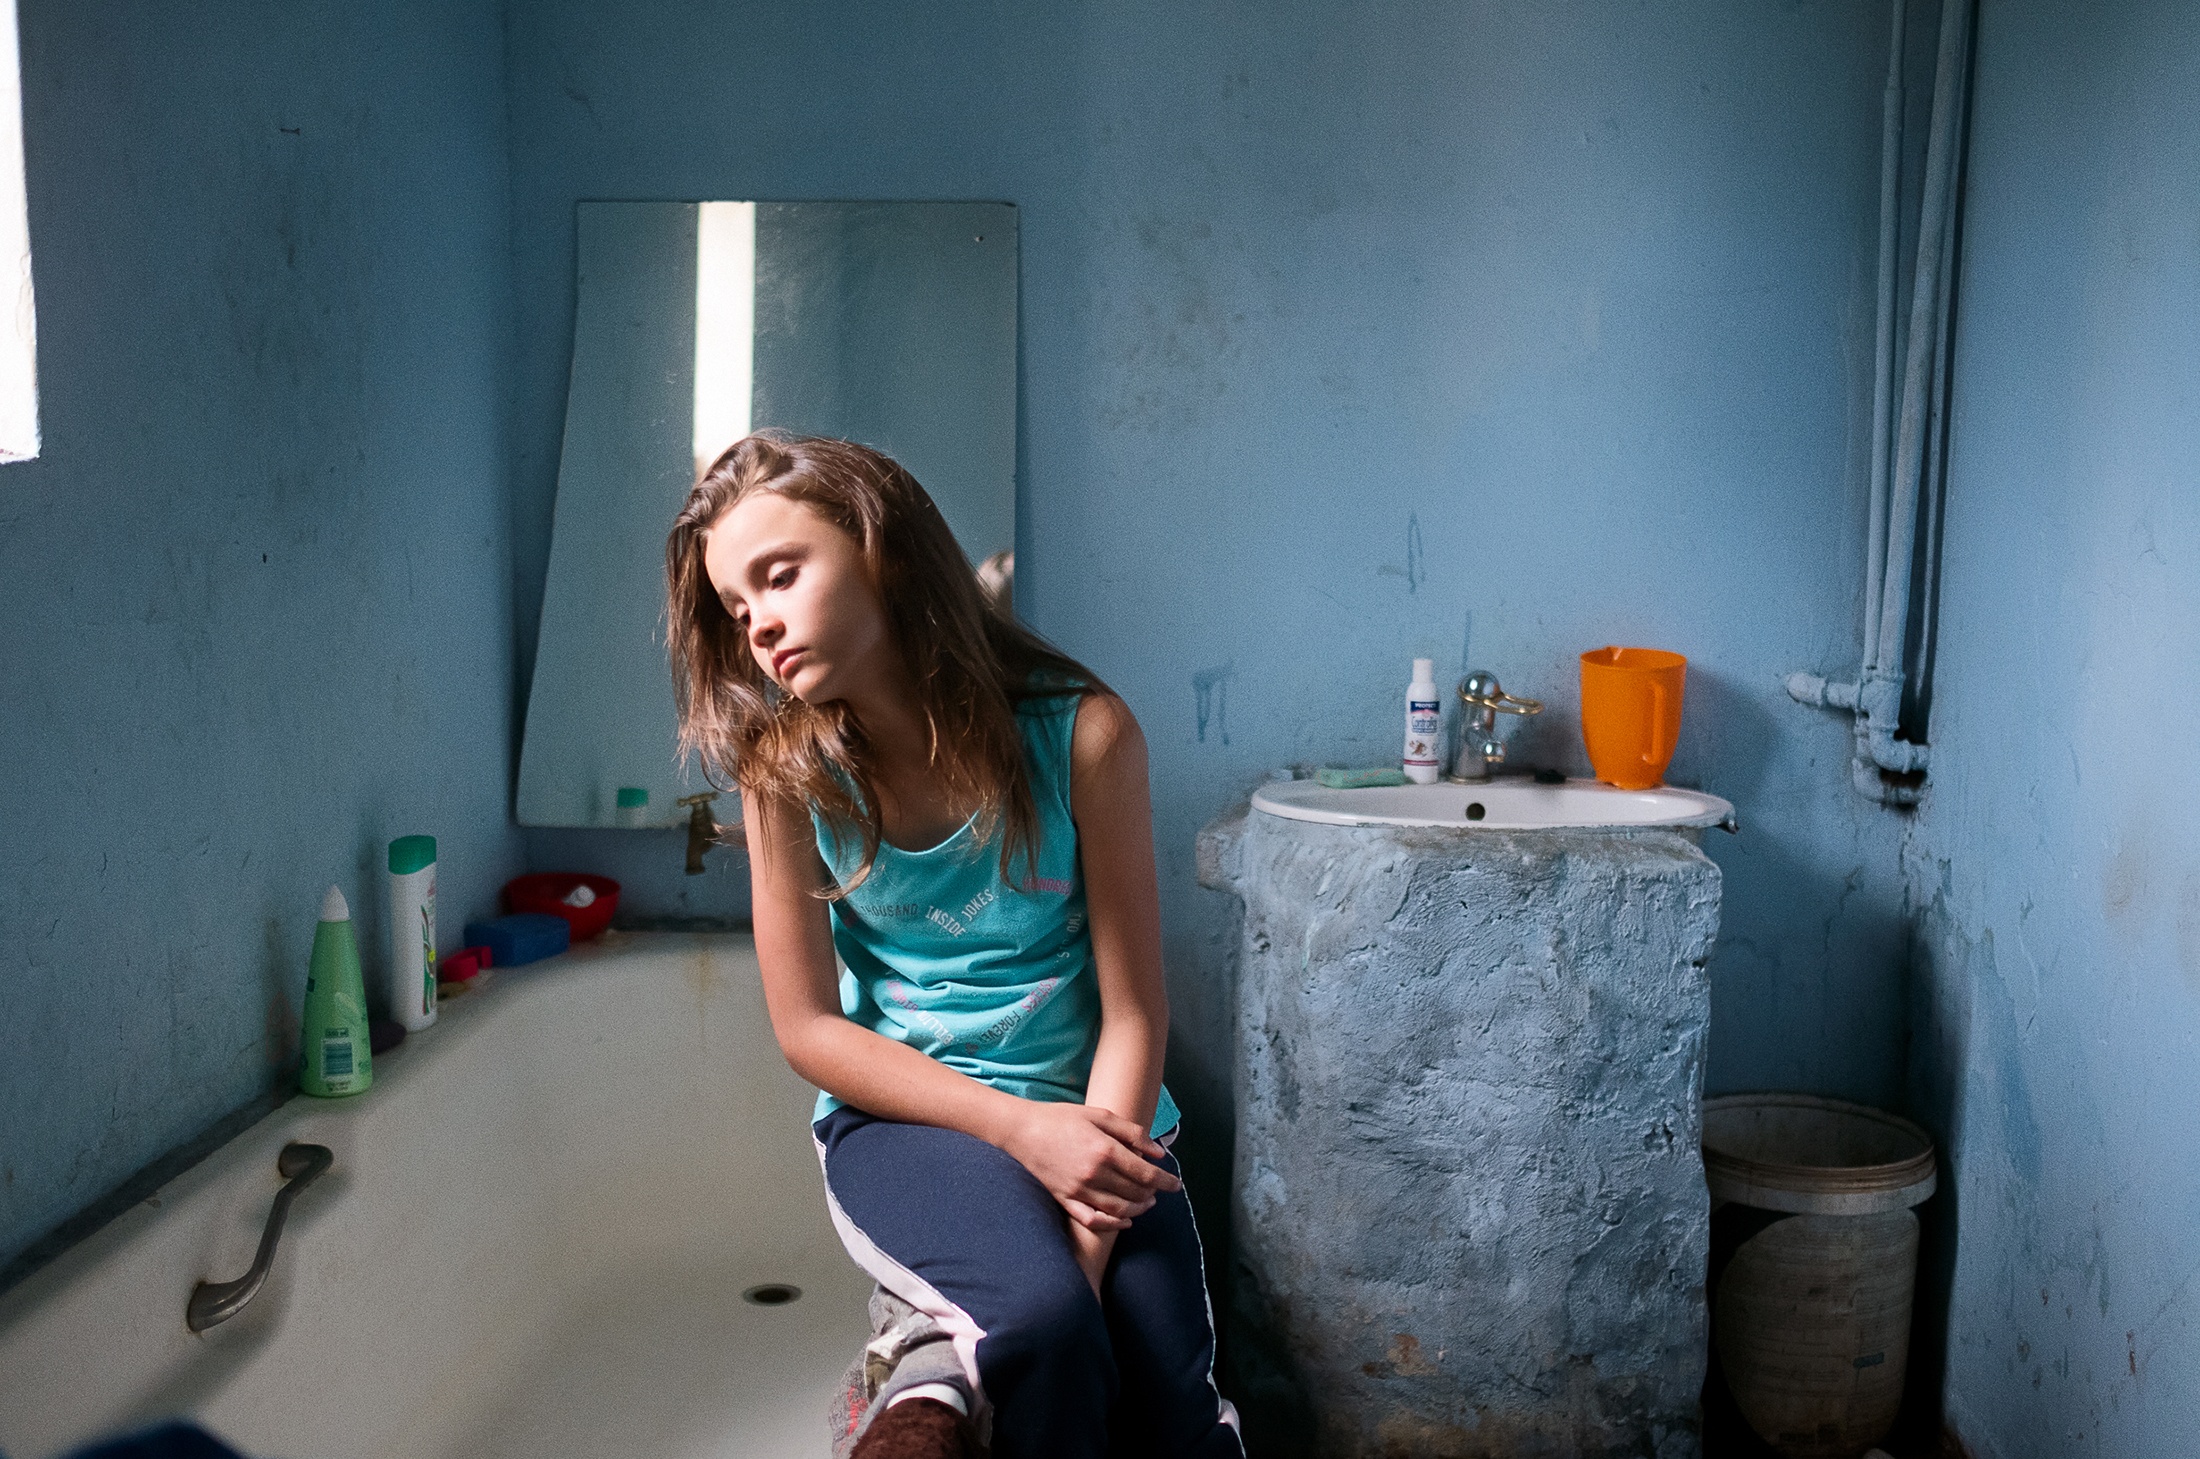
(1424, 725)
(1424, 722)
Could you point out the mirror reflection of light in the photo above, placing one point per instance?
(725, 326)
(18, 319)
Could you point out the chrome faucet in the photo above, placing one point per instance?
(1480, 750)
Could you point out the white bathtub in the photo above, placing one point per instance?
(534, 1241)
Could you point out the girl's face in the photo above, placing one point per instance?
(797, 587)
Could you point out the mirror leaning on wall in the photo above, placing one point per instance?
(893, 324)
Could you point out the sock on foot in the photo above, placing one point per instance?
(922, 1428)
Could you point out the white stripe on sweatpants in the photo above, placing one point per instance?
(962, 1329)
(1226, 1408)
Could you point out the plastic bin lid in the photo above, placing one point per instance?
(1813, 1156)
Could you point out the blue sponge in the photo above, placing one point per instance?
(523, 937)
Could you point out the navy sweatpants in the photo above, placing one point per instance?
(956, 1228)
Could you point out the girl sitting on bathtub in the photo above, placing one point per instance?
(961, 813)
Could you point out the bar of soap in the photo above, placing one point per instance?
(1336, 777)
(523, 937)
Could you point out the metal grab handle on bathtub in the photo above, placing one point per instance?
(213, 1302)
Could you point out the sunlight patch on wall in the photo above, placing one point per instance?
(18, 316)
(725, 326)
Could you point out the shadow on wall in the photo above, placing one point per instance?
(1944, 968)
(1774, 899)
(1812, 931)
(1728, 739)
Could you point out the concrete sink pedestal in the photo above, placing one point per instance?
(1469, 1217)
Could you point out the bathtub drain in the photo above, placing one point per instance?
(772, 1294)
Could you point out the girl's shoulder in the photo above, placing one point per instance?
(1103, 733)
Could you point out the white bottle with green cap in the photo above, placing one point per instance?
(337, 1059)
(412, 931)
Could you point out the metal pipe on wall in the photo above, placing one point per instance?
(1891, 553)
(1890, 242)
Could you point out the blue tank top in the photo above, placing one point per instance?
(943, 955)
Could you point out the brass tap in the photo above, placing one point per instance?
(1480, 749)
(702, 829)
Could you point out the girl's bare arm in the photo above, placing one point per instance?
(1111, 803)
(1088, 1158)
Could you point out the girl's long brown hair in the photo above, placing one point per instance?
(971, 666)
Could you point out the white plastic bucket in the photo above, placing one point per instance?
(1814, 1264)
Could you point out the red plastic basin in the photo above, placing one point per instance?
(545, 891)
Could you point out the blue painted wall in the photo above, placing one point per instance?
(1350, 333)
(256, 593)
(2057, 863)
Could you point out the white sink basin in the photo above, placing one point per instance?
(1499, 805)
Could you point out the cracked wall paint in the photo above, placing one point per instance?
(255, 589)
(2056, 990)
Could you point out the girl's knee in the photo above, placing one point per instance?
(1052, 1323)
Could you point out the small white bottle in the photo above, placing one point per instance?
(1424, 725)
(412, 931)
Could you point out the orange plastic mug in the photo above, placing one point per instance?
(1631, 713)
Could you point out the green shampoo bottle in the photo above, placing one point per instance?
(337, 1059)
